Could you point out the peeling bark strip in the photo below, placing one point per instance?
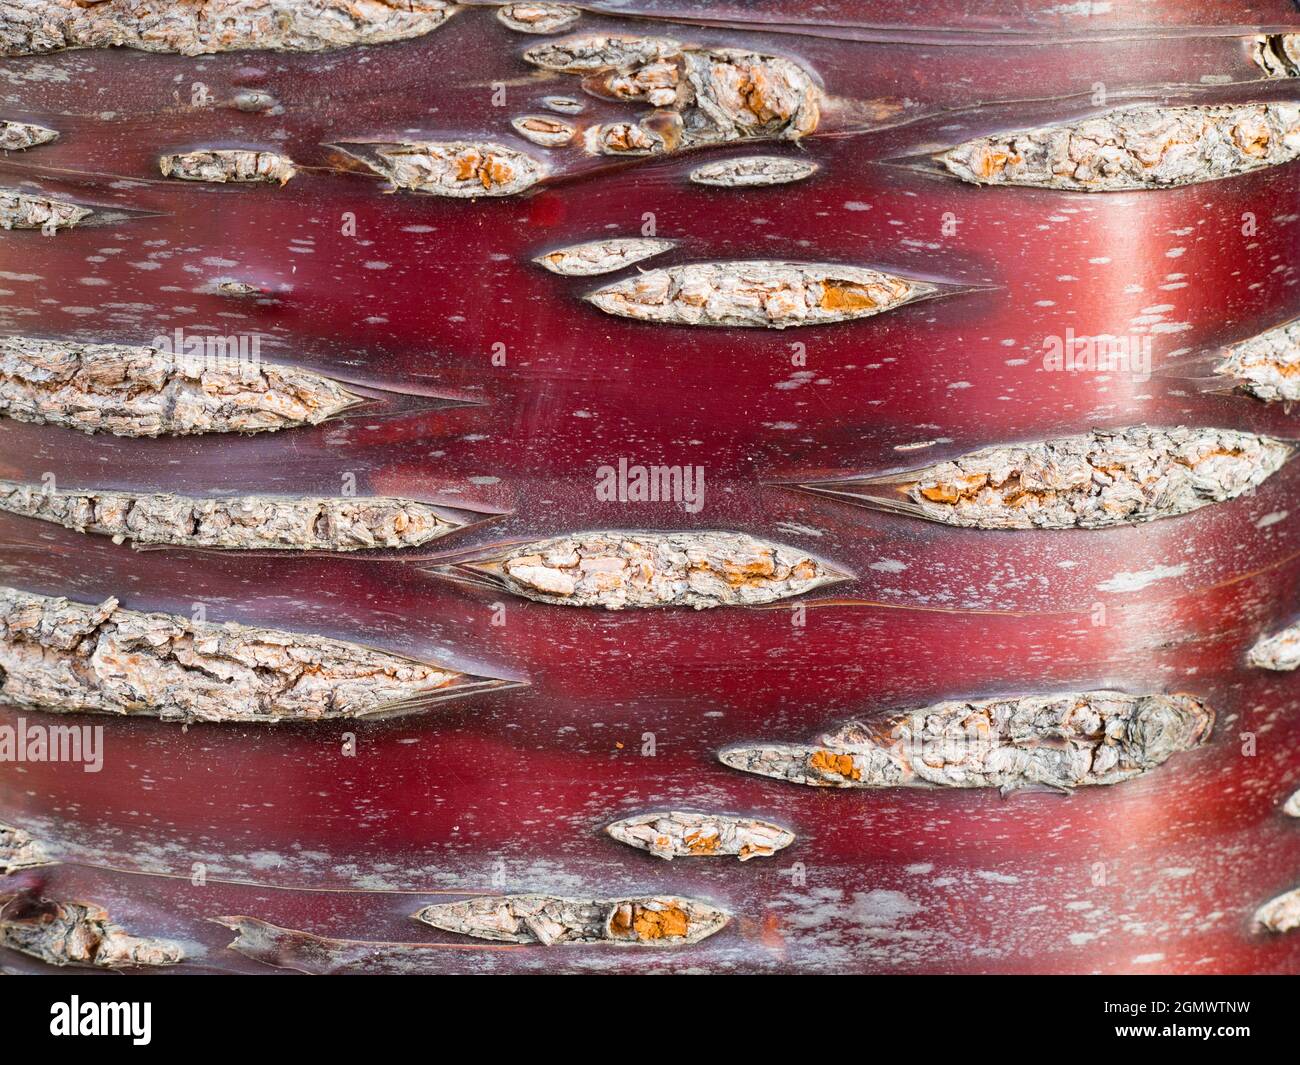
(140, 391)
(620, 570)
(602, 256)
(71, 657)
(1281, 914)
(1279, 54)
(548, 132)
(18, 210)
(704, 96)
(15, 136)
(288, 948)
(1281, 651)
(774, 295)
(753, 171)
(538, 18)
(1058, 741)
(227, 164)
(1136, 148)
(32, 27)
(77, 933)
(20, 850)
(351, 523)
(1108, 477)
(456, 168)
(670, 835)
(1267, 366)
(654, 921)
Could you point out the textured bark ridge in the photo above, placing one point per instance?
(538, 18)
(701, 96)
(19, 210)
(648, 921)
(142, 391)
(1057, 741)
(196, 27)
(1281, 651)
(15, 136)
(77, 933)
(1267, 366)
(751, 171)
(543, 130)
(617, 570)
(1108, 477)
(72, 657)
(689, 835)
(227, 164)
(1136, 148)
(772, 295)
(1281, 914)
(1279, 54)
(452, 168)
(602, 256)
(19, 849)
(344, 523)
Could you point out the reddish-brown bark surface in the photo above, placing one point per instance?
(510, 792)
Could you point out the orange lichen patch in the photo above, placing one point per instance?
(840, 296)
(840, 764)
(1266, 366)
(671, 922)
(1252, 136)
(699, 843)
(548, 132)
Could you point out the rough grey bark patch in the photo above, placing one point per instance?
(1281, 914)
(77, 933)
(300, 523)
(73, 657)
(701, 95)
(1278, 54)
(752, 171)
(563, 105)
(1058, 741)
(619, 570)
(19, 849)
(1281, 651)
(602, 256)
(1266, 366)
(538, 18)
(772, 295)
(679, 834)
(20, 210)
(142, 391)
(548, 132)
(1104, 478)
(1135, 148)
(661, 920)
(1292, 806)
(15, 136)
(227, 164)
(33, 27)
(455, 168)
